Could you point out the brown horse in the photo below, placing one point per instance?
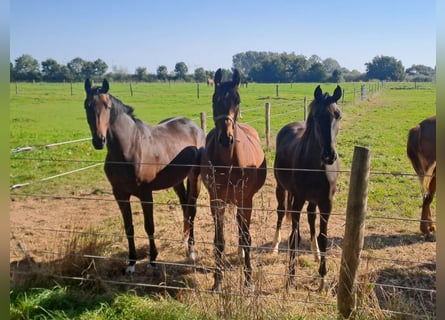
(306, 168)
(421, 150)
(142, 158)
(233, 169)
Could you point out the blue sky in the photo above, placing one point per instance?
(131, 34)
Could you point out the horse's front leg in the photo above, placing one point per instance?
(280, 194)
(294, 240)
(325, 211)
(123, 200)
(147, 208)
(311, 216)
(217, 208)
(243, 217)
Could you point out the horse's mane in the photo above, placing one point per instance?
(119, 108)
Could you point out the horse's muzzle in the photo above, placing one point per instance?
(226, 141)
(329, 157)
(99, 142)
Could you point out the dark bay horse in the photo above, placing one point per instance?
(233, 169)
(142, 158)
(421, 150)
(306, 168)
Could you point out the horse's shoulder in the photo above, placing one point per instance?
(249, 131)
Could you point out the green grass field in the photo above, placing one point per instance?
(42, 114)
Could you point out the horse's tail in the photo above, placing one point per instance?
(412, 150)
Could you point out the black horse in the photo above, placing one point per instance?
(142, 158)
(306, 168)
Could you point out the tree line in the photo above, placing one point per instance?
(254, 66)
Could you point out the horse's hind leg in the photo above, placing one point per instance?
(294, 239)
(147, 208)
(187, 198)
(280, 194)
(123, 200)
(426, 225)
(311, 216)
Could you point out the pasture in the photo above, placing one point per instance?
(67, 230)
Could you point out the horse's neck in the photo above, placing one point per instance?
(247, 149)
(123, 135)
(310, 149)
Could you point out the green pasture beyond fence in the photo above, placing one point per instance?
(44, 114)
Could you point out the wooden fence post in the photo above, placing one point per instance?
(131, 89)
(203, 121)
(71, 86)
(267, 105)
(304, 107)
(197, 90)
(354, 230)
(363, 92)
(276, 91)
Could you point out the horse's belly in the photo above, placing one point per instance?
(233, 185)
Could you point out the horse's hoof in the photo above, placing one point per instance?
(290, 285)
(217, 288)
(430, 237)
(128, 271)
(241, 253)
(323, 287)
(191, 255)
(250, 286)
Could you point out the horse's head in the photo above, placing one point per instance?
(325, 116)
(97, 106)
(226, 100)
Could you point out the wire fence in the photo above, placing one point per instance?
(371, 276)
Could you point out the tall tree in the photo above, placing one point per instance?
(26, 68)
(99, 67)
(330, 65)
(76, 68)
(52, 71)
(162, 73)
(385, 68)
(181, 70)
(141, 73)
(316, 73)
(200, 75)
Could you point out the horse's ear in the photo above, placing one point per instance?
(105, 86)
(318, 94)
(236, 79)
(88, 85)
(218, 77)
(337, 94)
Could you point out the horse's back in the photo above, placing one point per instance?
(428, 138)
(167, 150)
(421, 145)
(286, 142)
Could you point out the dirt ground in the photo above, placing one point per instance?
(42, 230)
